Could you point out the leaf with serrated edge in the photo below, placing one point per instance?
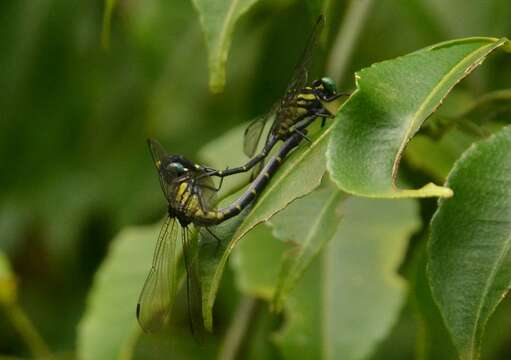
(392, 100)
(469, 252)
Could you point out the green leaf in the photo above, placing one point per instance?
(212, 259)
(8, 288)
(301, 336)
(311, 222)
(218, 18)
(469, 257)
(256, 262)
(392, 100)
(109, 328)
(357, 293)
(300, 173)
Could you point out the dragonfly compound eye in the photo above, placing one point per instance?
(329, 85)
(176, 168)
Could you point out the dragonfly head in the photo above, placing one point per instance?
(325, 86)
(173, 167)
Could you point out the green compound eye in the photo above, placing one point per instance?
(176, 167)
(329, 85)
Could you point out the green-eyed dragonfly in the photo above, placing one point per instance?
(190, 199)
(299, 107)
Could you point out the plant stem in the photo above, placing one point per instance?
(347, 37)
(27, 331)
(239, 325)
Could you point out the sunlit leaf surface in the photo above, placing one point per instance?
(392, 100)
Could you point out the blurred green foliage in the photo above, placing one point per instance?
(74, 117)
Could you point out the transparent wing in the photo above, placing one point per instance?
(296, 84)
(196, 192)
(157, 296)
(193, 284)
(253, 134)
(205, 190)
(301, 72)
(158, 153)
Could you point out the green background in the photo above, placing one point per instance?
(74, 118)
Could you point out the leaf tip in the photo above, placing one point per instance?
(428, 190)
(217, 81)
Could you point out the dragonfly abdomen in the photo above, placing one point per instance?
(255, 188)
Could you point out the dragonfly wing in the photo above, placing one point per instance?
(193, 284)
(158, 153)
(253, 134)
(301, 71)
(157, 296)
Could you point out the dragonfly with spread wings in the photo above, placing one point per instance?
(190, 198)
(299, 107)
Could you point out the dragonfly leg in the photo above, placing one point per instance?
(249, 165)
(303, 134)
(333, 97)
(218, 241)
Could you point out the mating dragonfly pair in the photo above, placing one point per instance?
(190, 192)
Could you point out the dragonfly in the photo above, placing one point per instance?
(298, 108)
(190, 199)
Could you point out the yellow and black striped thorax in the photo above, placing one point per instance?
(191, 204)
(293, 110)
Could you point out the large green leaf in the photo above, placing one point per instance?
(109, 328)
(299, 175)
(469, 257)
(392, 100)
(357, 293)
(218, 18)
(310, 222)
